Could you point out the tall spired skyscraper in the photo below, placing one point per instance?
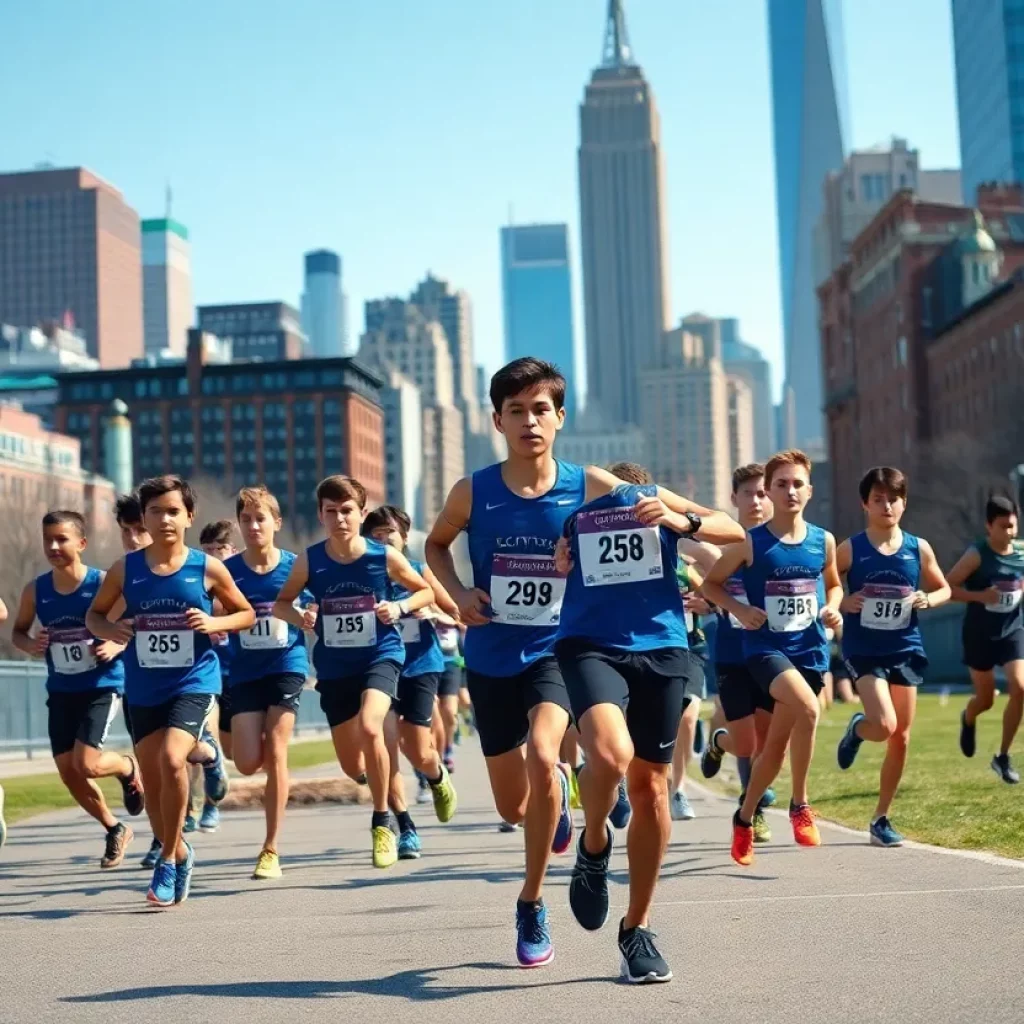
(811, 122)
(622, 227)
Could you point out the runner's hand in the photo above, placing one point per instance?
(831, 617)
(990, 596)
(309, 614)
(199, 622)
(388, 612)
(852, 603)
(696, 605)
(107, 650)
(920, 599)
(651, 511)
(472, 603)
(125, 630)
(750, 617)
(42, 641)
(563, 557)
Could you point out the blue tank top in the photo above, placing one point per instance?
(71, 665)
(1005, 573)
(165, 658)
(786, 581)
(511, 547)
(729, 635)
(349, 636)
(887, 624)
(422, 647)
(272, 647)
(622, 592)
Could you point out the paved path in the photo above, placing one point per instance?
(847, 932)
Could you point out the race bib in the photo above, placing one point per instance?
(268, 634)
(71, 651)
(448, 638)
(164, 641)
(526, 590)
(349, 621)
(615, 547)
(410, 630)
(791, 605)
(1009, 596)
(738, 592)
(886, 606)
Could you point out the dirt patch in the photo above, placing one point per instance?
(248, 793)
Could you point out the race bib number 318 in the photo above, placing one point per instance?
(615, 547)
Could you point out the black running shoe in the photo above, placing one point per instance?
(133, 795)
(1003, 767)
(118, 839)
(641, 961)
(968, 736)
(711, 759)
(588, 886)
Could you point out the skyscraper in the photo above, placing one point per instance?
(166, 286)
(744, 361)
(988, 43)
(622, 227)
(323, 311)
(537, 297)
(69, 250)
(811, 123)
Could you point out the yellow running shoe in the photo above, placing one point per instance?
(445, 798)
(574, 791)
(385, 847)
(268, 865)
(762, 833)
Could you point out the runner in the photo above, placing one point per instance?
(84, 680)
(414, 706)
(358, 654)
(448, 636)
(989, 579)
(890, 576)
(746, 708)
(622, 648)
(171, 671)
(793, 594)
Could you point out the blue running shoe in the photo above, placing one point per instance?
(152, 855)
(189, 825)
(210, 819)
(622, 811)
(850, 743)
(563, 830)
(883, 834)
(768, 800)
(215, 775)
(183, 875)
(409, 846)
(533, 940)
(162, 888)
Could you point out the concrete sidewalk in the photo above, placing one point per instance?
(845, 932)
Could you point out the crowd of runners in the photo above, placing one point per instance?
(582, 637)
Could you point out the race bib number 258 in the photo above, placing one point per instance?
(615, 547)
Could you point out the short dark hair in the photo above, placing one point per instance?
(744, 474)
(524, 375)
(64, 516)
(998, 507)
(388, 517)
(631, 472)
(128, 510)
(219, 532)
(884, 478)
(340, 488)
(157, 486)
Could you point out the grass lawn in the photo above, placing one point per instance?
(944, 798)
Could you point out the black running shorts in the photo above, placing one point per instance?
(415, 703)
(282, 690)
(80, 718)
(187, 711)
(739, 693)
(341, 699)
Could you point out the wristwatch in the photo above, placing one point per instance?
(695, 522)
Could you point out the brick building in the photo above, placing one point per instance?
(284, 423)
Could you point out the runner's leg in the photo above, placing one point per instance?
(608, 750)
(176, 745)
(1014, 671)
(984, 684)
(87, 794)
(649, 833)
(280, 723)
(903, 700)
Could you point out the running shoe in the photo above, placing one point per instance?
(588, 885)
(883, 834)
(152, 855)
(711, 759)
(132, 793)
(805, 832)
(409, 845)
(385, 847)
(679, 807)
(700, 738)
(190, 824)
(3, 822)
(1003, 767)
(563, 830)
(622, 811)
(533, 940)
(209, 821)
(768, 800)
(574, 791)
(215, 775)
(423, 796)
(762, 833)
(850, 743)
(641, 962)
(268, 866)
(446, 800)
(742, 842)
(118, 839)
(161, 889)
(183, 875)
(968, 736)
(507, 826)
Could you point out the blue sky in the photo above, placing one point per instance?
(401, 132)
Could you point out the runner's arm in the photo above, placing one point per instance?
(110, 593)
(420, 593)
(970, 562)
(442, 598)
(851, 603)
(935, 586)
(23, 619)
(237, 612)
(834, 592)
(733, 558)
(704, 555)
(284, 605)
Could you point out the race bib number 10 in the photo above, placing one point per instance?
(526, 590)
(615, 547)
(71, 651)
(1009, 596)
(791, 605)
(886, 607)
(349, 621)
(164, 641)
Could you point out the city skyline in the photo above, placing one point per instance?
(445, 212)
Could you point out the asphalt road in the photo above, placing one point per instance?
(843, 933)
